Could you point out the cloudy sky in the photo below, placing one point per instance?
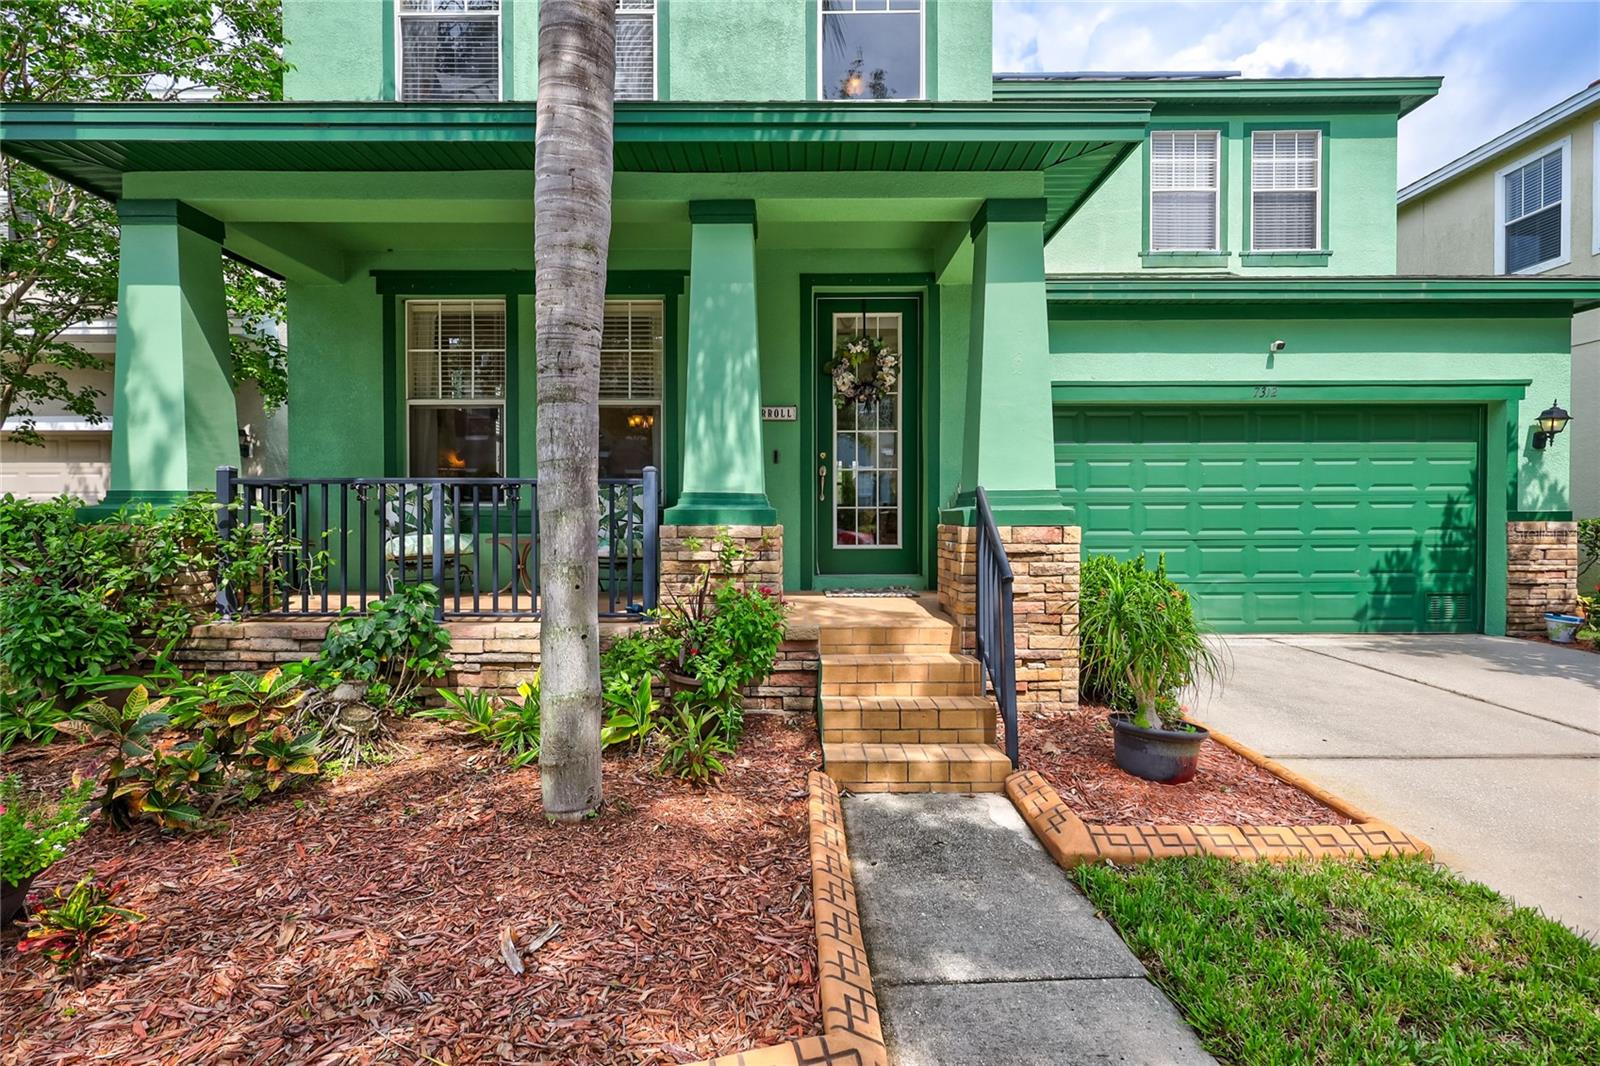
(1503, 61)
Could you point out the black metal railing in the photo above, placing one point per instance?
(997, 641)
(340, 543)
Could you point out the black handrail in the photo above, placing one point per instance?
(345, 542)
(996, 625)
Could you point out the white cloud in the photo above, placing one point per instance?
(1486, 51)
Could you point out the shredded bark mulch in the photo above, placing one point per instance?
(368, 919)
(1073, 751)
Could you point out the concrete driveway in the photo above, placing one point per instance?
(1486, 747)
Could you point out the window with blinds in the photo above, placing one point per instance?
(1286, 190)
(1185, 184)
(632, 340)
(456, 387)
(449, 50)
(636, 50)
(1533, 213)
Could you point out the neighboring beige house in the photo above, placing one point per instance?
(75, 458)
(1524, 203)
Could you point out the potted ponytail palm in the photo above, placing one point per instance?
(1142, 646)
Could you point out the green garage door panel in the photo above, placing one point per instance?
(1289, 519)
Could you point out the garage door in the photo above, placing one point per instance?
(78, 464)
(1289, 519)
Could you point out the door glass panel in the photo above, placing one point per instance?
(866, 482)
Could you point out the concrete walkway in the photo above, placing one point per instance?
(983, 952)
(1487, 748)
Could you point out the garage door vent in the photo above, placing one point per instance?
(1444, 608)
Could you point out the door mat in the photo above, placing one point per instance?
(893, 592)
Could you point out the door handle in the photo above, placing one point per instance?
(822, 478)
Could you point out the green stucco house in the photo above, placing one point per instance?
(1162, 309)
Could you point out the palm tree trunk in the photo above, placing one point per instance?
(572, 234)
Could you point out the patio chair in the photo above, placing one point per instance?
(405, 549)
(624, 526)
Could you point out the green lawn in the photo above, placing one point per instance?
(1392, 961)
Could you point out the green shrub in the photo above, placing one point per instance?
(695, 747)
(631, 707)
(249, 734)
(34, 831)
(1588, 543)
(1141, 642)
(82, 599)
(510, 725)
(391, 650)
(27, 717)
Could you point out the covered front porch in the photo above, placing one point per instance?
(749, 243)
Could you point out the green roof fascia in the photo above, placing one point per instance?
(1407, 94)
(92, 145)
(1580, 294)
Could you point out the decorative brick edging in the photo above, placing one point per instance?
(1074, 842)
(851, 1032)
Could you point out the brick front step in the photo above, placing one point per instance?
(907, 719)
(916, 767)
(932, 636)
(938, 674)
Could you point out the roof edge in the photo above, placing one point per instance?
(1551, 116)
(1581, 293)
(1407, 93)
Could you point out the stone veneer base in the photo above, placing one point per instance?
(1541, 574)
(852, 1032)
(1074, 842)
(1045, 569)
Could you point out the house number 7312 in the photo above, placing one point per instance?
(1265, 392)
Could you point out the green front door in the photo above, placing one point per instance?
(1328, 518)
(864, 479)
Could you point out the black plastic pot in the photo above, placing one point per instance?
(1166, 756)
(12, 897)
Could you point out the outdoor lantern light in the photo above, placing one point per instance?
(1552, 420)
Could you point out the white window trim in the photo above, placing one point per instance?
(1565, 146)
(1322, 181)
(456, 402)
(400, 49)
(1594, 193)
(1216, 229)
(922, 70)
(655, 51)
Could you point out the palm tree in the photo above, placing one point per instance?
(572, 232)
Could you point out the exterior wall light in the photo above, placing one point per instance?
(1551, 421)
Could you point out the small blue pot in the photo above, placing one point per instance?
(1560, 627)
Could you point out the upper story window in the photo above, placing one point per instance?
(449, 50)
(456, 387)
(1533, 198)
(1185, 191)
(872, 50)
(636, 50)
(1286, 190)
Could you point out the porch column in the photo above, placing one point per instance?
(1009, 450)
(173, 414)
(724, 481)
(1009, 447)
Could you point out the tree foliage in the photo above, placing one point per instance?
(59, 267)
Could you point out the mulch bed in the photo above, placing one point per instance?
(361, 920)
(1073, 751)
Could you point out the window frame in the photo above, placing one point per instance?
(1219, 246)
(922, 44)
(399, 55)
(659, 447)
(1564, 146)
(1320, 211)
(507, 351)
(655, 54)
